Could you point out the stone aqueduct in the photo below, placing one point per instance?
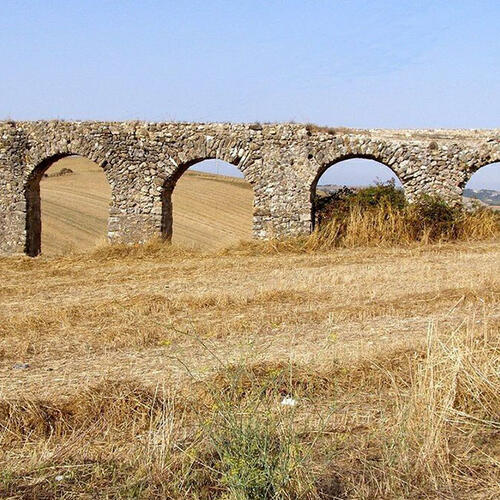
(283, 162)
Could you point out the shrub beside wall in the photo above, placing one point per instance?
(380, 214)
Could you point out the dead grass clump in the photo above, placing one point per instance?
(479, 224)
(380, 215)
(375, 227)
(155, 248)
(109, 406)
(381, 226)
(278, 378)
(272, 246)
(304, 381)
(313, 128)
(440, 439)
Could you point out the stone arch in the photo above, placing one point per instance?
(171, 181)
(33, 222)
(351, 156)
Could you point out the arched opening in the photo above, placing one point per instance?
(67, 206)
(352, 173)
(483, 187)
(207, 205)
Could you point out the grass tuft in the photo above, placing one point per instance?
(154, 248)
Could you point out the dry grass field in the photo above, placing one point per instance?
(256, 371)
(111, 360)
(210, 211)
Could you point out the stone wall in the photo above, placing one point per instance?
(282, 162)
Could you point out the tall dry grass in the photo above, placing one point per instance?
(444, 436)
(382, 226)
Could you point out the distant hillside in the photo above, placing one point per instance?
(328, 188)
(487, 196)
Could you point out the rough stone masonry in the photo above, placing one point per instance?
(283, 162)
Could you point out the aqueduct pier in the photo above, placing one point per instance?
(283, 162)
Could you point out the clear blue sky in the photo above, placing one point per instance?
(372, 63)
